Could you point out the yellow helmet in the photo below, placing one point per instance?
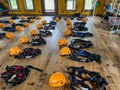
(18, 28)
(14, 51)
(62, 41)
(33, 32)
(67, 32)
(44, 22)
(24, 40)
(84, 20)
(39, 26)
(32, 20)
(57, 79)
(26, 24)
(9, 35)
(65, 51)
(2, 25)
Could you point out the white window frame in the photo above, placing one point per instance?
(85, 2)
(74, 3)
(25, 5)
(10, 6)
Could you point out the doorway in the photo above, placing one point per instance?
(49, 7)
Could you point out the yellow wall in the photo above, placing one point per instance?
(37, 7)
(61, 7)
(80, 6)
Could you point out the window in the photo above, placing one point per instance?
(28, 5)
(13, 4)
(88, 4)
(49, 5)
(71, 5)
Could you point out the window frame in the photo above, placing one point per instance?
(25, 6)
(87, 9)
(73, 5)
(10, 6)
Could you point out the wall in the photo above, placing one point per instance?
(37, 7)
(61, 8)
(80, 6)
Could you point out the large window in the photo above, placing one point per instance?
(88, 4)
(71, 5)
(49, 5)
(29, 5)
(13, 4)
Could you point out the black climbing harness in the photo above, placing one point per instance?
(17, 74)
(90, 57)
(79, 76)
(77, 44)
(81, 34)
(28, 53)
(2, 35)
(37, 41)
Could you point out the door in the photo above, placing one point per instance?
(49, 7)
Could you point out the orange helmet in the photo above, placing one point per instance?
(57, 80)
(2, 25)
(11, 21)
(39, 17)
(57, 19)
(24, 40)
(23, 17)
(68, 22)
(18, 28)
(68, 19)
(69, 27)
(32, 20)
(26, 24)
(84, 20)
(44, 22)
(9, 35)
(67, 32)
(33, 32)
(65, 51)
(14, 51)
(62, 41)
(39, 26)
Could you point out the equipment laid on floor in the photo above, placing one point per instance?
(28, 53)
(45, 33)
(81, 34)
(77, 44)
(2, 35)
(9, 35)
(9, 29)
(16, 74)
(4, 21)
(14, 17)
(49, 27)
(33, 33)
(37, 41)
(57, 80)
(62, 42)
(80, 26)
(2, 25)
(79, 76)
(65, 51)
(24, 40)
(80, 55)
(14, 51)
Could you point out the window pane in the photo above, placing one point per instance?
(71, 5)
(49, 5)
(29, 4)
(88, 4)
(13, 4)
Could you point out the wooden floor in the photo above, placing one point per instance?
(105, 44)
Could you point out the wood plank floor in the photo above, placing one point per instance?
(105, 44)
